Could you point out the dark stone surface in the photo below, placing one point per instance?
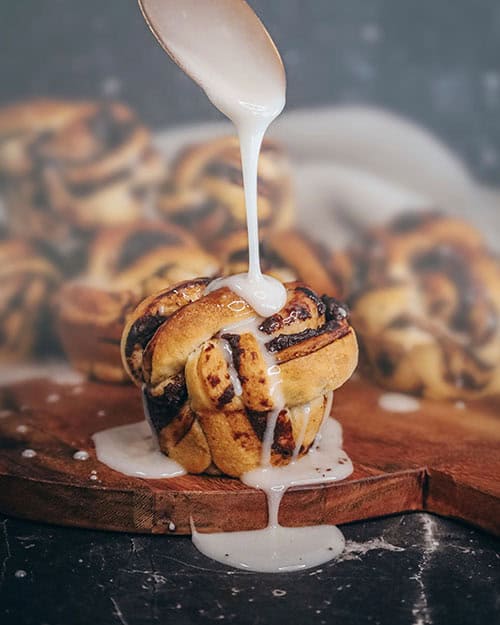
(436, 62)
(414, 569)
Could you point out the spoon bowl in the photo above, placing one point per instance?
(225, 48)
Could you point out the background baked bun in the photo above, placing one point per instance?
(288, 255)
(27, 281)
(210, 370)
(125, 264)
(425, 301)
(70, 168)
(205, 190)
(23, 123)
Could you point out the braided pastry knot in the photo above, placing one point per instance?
(426, 305)
(126, 263)
(205, 190)
(27, 280)
(216, 377)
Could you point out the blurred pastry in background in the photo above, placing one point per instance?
(126, 263)
(27, 281)
(288, 255)
(425, 302)
(23, 123)
(68, 173)
(204, 367)
(205, 190)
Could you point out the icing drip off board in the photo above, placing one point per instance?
(277, 549)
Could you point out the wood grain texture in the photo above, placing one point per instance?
(441, 459)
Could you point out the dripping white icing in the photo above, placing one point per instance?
(265, 294)
(306, 413)
(251, 326)
(132, 450)
(238, 66)
(233, 374)
(325, 462)
(326, 415)
(267, 442)
(398, 402)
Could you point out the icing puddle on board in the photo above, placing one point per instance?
(398, 402)
(133, 450)
(234, 38)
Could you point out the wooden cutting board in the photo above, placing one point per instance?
(442, 459)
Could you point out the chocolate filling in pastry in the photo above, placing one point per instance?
(411, 221)
(163, 409)
(142, 242)
(108, 130)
